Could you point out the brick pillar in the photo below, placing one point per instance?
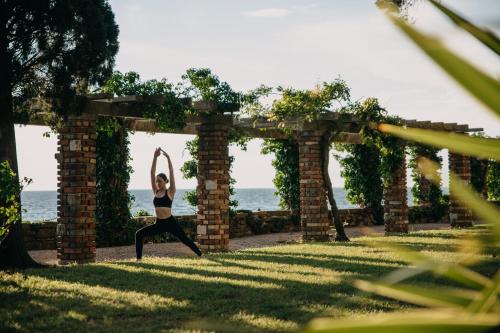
(313, 204)
(395, 201)
(213, 185)
(460, 216)
(76, 198)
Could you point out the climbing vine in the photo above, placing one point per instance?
(170, 115)
(290, 102)
(433, 204)
(308, 105)
(113, 219)
(485, 175)
(364, 185)
(367, 167)
(190, 169)
(202, 84)
(286, 164)
(479, 170)
(422, 193)
(493, 180)
(10, 191)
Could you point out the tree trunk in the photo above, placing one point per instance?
(13, 253)
(325, 150)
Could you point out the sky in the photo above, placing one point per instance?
(294, 43)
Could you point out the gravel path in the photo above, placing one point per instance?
(178, 249)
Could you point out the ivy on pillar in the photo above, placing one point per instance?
(76, 198)
(313, 205)
(460, 216)
(395, 201)
(213, 184)
(425, 188)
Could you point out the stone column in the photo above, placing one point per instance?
(313, 204)
(460, 216)
(213, 184)
(395, 201)
(76, 198)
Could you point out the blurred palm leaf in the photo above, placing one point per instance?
(432, 297)
(428, 322)
(482, 86)
(466, 195)
(486, 37)
(458, 143)
(423, 263)
(486, 301)
(472, 304)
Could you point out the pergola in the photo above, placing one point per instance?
(76, 199)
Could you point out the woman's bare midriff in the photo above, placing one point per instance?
(163, 212)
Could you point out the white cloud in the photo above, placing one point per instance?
(305, 7)
(268, 12)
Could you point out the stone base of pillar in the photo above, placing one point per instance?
(76, 191)
(460, 217)
(461, 224)
(315, 237)
(397, 227)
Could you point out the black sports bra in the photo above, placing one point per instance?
(164, 201)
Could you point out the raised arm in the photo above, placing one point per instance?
(153, 170)
(171, 175)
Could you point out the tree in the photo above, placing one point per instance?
(52, 49)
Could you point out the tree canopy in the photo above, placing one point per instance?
(56, 49)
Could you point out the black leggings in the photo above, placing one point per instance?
(163, 225)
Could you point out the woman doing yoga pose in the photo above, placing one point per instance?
(165, 221)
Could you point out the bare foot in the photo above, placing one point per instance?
(138, 260)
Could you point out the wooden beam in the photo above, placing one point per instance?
(423, 124)
(437, 126)
(475, 129)
(131, 108)
(343, 137)
(450, 126)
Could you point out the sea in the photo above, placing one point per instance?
(42, 205)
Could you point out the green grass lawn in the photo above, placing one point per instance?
(263, 290)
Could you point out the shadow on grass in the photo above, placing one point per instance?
(333, 258)
(217, 295)
(60, 310)
(240, 291)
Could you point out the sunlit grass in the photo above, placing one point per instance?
(255, 290)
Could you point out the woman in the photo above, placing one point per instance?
(165, 221)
